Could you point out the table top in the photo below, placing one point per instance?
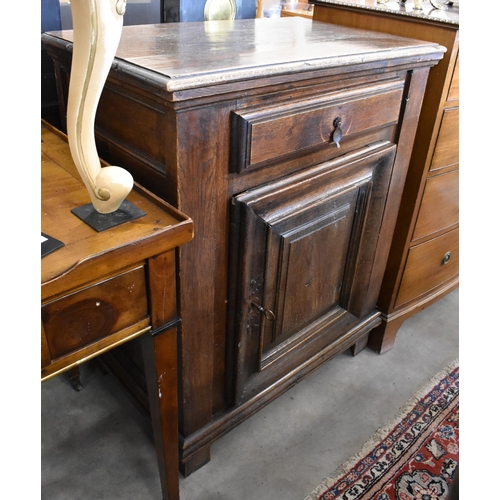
(88, 254)
(448, 14)
(197, 54)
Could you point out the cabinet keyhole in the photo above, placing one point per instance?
(269, 315)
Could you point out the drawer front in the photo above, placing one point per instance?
(426, 268)
(88, 315)
(274, 132)
(439, 207)
(446, 150)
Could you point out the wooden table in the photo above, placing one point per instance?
(102, 289)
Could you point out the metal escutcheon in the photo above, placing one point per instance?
(337, 133)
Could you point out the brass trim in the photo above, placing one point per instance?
(95, 354)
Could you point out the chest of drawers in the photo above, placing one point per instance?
(287, 142)
(424, 257)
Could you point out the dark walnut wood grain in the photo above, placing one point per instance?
(429, 207)
(233, 123)
(101, 290)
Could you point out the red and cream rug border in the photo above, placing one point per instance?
(380, 435)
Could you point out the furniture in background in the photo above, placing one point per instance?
(302, 9)
(137, 12)
(50, 21)
(102, 289)
(423, 261)
(287, 141)
(160, 11)
(193, 10)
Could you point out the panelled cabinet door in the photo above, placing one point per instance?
(305, 246)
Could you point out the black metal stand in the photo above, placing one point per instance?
(100, 222)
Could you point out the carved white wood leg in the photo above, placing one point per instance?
(97, 27)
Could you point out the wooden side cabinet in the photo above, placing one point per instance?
(287, 141)
(100, 290)
(423, 260)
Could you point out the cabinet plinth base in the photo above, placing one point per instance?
(196, 461)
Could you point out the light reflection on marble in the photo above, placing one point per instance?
(181, 56)
(447, 13)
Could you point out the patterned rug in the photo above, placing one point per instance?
(413, 458)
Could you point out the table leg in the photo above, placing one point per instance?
(160, 364)
(160, 361)
(73, 375)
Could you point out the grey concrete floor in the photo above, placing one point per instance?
(96, 445)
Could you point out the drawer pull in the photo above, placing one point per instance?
(446, 258)
(337, 133)
(267, 312)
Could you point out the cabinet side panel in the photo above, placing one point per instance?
(202, 193)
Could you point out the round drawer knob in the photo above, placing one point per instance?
(446, 258)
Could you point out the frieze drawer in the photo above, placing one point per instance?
(265, 134)
(95, 312)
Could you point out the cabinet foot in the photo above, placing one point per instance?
(197, 460)
(382, 338)
(359, 345)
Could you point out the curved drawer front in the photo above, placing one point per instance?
(446, 150)
(439, 208)
(429, 265)
(88, 315)
(264, 134)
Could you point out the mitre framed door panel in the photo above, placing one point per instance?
(305, 245)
